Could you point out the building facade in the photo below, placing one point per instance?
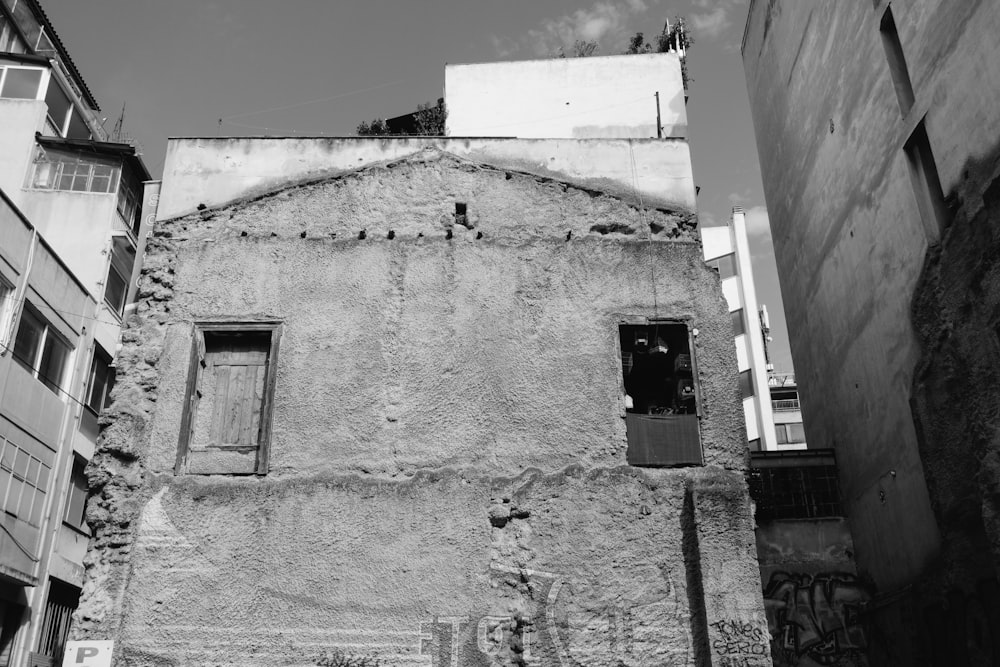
(70, 203)
(876, 125)
(728, 251)
(429, 401)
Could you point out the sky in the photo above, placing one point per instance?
(320, 67)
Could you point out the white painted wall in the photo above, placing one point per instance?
(567, 98)
(218, 171)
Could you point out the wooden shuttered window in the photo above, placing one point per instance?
(227, 414)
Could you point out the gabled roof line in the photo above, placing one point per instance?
(418, 157)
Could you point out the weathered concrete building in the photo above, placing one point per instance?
(428, 401)
(877, 128)
(440, 439)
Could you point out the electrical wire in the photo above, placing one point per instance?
(52, 384)
(21, 302)
(226, 120)
(20, 546)
(649, 229)
(243, 114)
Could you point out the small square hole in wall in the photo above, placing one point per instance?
(460, 213)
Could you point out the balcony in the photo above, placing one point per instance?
(794, 485)
(786, 405)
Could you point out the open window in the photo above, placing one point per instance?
(227, 413)
(661, 397)
(76, 499)
(119, 272)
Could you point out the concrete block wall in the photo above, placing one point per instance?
(893, 313)
(447, 480)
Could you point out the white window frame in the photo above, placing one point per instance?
(7, 298)
(58, 167)
(43, 82)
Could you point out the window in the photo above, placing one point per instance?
(128, 203)
(77, 498)
(738, 326)
(63, 601)
(6, 308)
(782, 490)
(23, 482)
(40, 349)
(101, 382)
(119, 273)
(65, 170)
(10, 42)
(746, 384)
(661, 404)
(20, 83)
(59, 105)
(725, 265)
(790, 433)
(227, 413)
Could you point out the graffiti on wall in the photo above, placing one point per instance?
(562, 626)
(739, 643)
(816, 619)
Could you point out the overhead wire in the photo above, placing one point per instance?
(52, 384)
(227, 119)
(296, 105)
(649, 228)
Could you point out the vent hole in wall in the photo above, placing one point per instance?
(461, 216)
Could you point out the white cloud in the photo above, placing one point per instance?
(712, 24)
(758, 224)
(738, 198)
(606, 21)
(503, 46)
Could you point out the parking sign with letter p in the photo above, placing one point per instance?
(88, 654)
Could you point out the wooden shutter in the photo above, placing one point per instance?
(229, 399)
(238, 368)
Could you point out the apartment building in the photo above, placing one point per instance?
(69, 225)
(877, 126)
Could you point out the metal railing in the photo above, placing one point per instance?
(785, 405)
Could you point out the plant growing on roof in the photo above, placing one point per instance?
(674, 37)
(428, 120)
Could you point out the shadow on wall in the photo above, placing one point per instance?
(954, 399)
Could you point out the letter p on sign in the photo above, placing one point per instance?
(88, 654)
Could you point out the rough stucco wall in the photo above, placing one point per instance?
(892, 390)
(447, 478)
(956, 312)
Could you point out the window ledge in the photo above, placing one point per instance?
(85, 531)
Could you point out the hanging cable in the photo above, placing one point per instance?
(52, 384)
(649, 228)
(302, 104)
